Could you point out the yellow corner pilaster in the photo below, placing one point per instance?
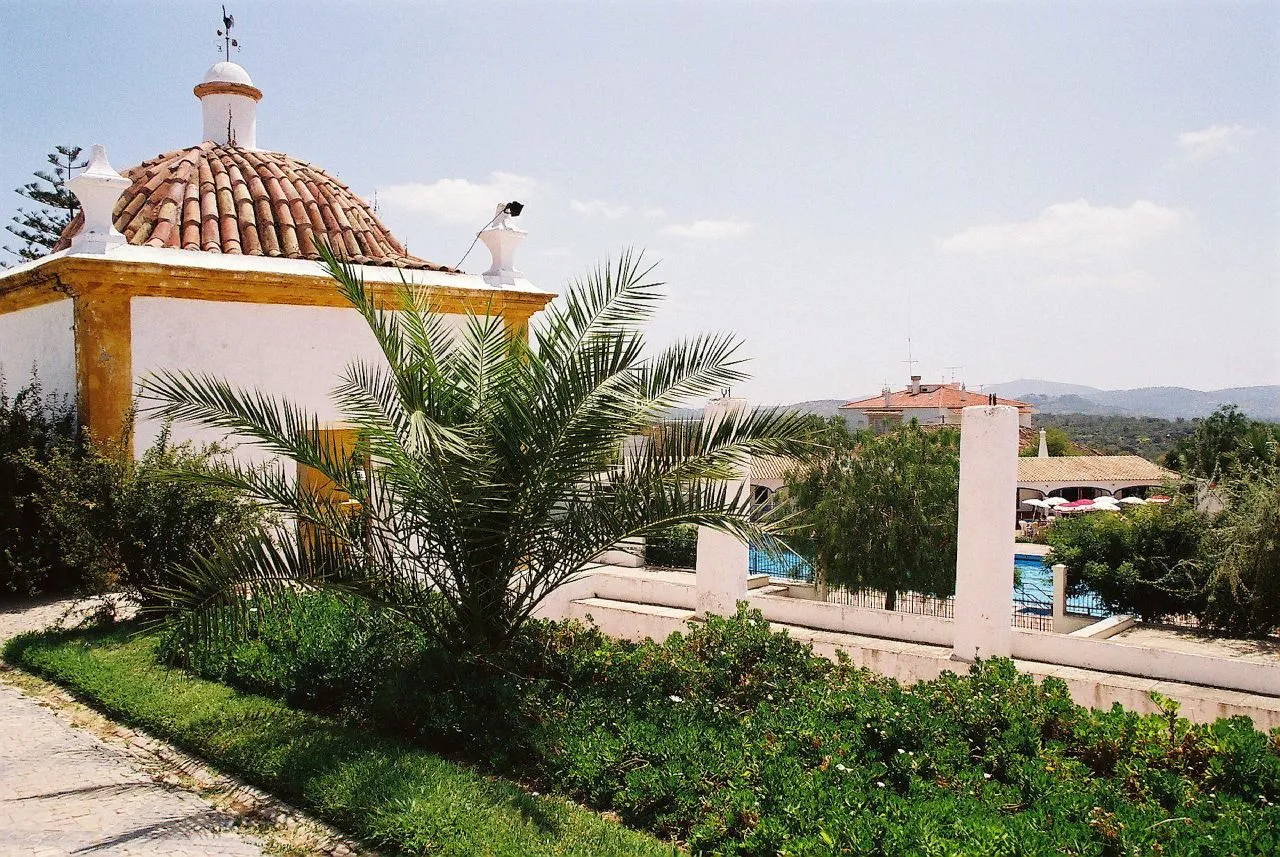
(104, 364)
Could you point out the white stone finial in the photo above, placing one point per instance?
(1044, 445)
(502, 239)
(98, 188)
(229, 105)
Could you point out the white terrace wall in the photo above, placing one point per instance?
(294, 352)
(42, 337)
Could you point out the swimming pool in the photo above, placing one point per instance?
(1034, 578)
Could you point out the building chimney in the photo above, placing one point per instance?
(888, 396)
(98, 188)
(502, 239)
(915, 385)
(1044, 446)
(229, 105)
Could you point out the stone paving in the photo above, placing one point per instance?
(64, 791)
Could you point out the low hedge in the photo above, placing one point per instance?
(396, 798)
(738, 740)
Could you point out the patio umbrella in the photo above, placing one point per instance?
(1035, 501)
(1159, 498)
(1132, 501)
(1054, 501)
(1075, 506)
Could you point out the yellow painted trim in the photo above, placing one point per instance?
(67, 275)
(104, 364)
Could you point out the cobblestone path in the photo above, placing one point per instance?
(64, 791)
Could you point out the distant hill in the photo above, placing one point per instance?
(1031, 387)
(1052, 397)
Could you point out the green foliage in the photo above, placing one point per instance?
(1243, 593)
(676, 547)
(74, 517)
(39, 229)
(1056, 441)
(738, 740)
(1227, 445)
(396, 798)
(880, 511)
(33, 427)
(1150, 437)
(130, 525)
(1147, 561)
(499, 473)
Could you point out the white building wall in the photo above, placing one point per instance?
(292, 352)
(42, 337)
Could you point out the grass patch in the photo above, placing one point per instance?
(392, 796)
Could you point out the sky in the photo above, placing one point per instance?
(1082, 192)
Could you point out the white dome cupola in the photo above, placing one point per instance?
(229, 104)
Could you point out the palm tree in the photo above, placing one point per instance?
(489, 468)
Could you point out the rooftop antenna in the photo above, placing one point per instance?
(228, 21)
(952, 371)
(910, 361)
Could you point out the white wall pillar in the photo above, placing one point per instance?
(1059, 595)
(984, 574)
(723, 561)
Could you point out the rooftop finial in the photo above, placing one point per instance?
(228, 21)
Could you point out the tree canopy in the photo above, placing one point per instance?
(881, 511)
(1225, 445)
(40, 228)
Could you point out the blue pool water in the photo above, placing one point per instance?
(1035, 579)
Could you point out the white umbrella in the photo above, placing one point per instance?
(1132, 501)
(1038, 503)
(1054, 501)
(1106, 501)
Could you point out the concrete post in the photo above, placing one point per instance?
(723, 561)
(1059, 597)
(984, 574)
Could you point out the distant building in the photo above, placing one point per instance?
(927, 404)
(1077, 477)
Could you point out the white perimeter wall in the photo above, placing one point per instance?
(43, 337)
(287, 351)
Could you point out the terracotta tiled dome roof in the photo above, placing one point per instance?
(225, 199)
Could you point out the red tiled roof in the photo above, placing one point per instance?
(948, 396)
(225, 199)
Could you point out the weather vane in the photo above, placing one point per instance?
(228, 21)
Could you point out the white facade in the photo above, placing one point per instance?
(43, 338)
(292, 352)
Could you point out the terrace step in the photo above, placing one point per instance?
(633, 607)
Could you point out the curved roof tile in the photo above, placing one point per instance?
(225, 199)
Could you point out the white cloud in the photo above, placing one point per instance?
(1132, 280)
(707, 230)
(599, 208)
(1071, 227)
(459, 200)
(653, 213)
(1213, 142)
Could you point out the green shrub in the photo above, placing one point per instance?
(34, 427)
(739, 740)
(1147, 561)
(394, 797)
(676, 547)
(128, 524)
(1243, 594)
